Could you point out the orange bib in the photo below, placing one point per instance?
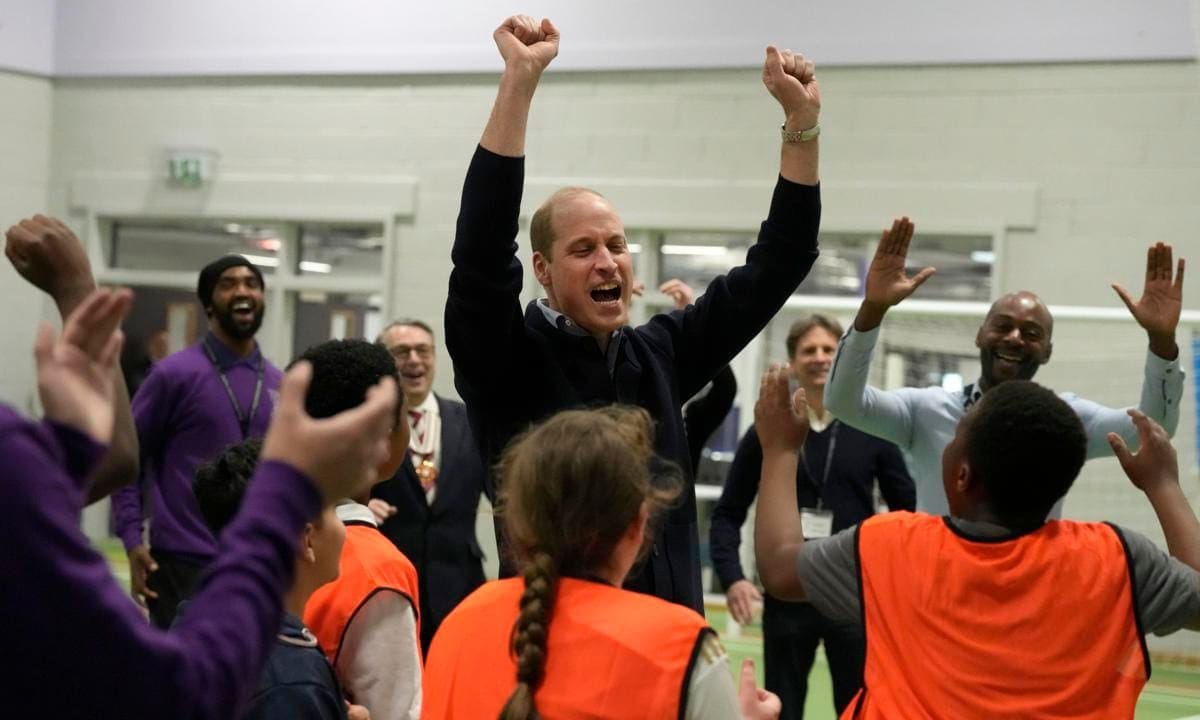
(370, 563)
(610, 653)
(1038, 626)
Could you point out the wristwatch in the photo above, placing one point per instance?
(799, 136)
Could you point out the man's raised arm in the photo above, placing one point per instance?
(483, 304)
(527, 48)
(848, 397)
(1158, 312)
(47, 254)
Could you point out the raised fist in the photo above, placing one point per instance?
(791, 79)
(525, 43)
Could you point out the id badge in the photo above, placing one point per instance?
(816, 524)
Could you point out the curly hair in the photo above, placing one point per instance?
(1027, 446)
(342, 373)
(220, 484)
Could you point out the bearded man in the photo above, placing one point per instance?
(191, 406)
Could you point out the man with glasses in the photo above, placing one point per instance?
(428, 508)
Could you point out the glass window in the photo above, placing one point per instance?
(698, 257)
(164, 244)
(321, 316)
(963, 262)
(329, 249)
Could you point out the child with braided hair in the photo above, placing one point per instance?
(577, 497)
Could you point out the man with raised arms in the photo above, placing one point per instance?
(1013, 342)
(574, 348)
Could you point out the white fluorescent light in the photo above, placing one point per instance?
(986, 257)
(316, 267)
(709, 250)
(635, 247)
(952, 382)
(262, 260)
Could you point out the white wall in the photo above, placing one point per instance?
(27, 35)
(25, 153)
(234, 37)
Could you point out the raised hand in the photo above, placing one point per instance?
(75, 370)
(680, 293)
(741, 598)
(1155, 462)
(756, 703)
(887, 281)
(47, 254)
(780, 418)
(340, 453)
(791, 80)
(1161, 303)
(527, 44)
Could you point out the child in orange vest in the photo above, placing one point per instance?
(991, 611)
(565, 640)
(367, 619)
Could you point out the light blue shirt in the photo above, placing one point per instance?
(922, 421)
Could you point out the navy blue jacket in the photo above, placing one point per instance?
(513, 369)
(297, 683)
(440, 539)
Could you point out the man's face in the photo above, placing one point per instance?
(814, 357)
(1014, 339)
(237, 303)
(413, 350)
(589, 276)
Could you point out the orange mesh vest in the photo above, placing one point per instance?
(370, 563)
(1038, 626)
(610, 653)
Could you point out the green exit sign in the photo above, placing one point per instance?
(190, 168)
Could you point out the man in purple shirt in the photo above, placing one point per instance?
(79, 647)
(191, 406)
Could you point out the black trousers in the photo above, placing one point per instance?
(174, 581)
(791, 633)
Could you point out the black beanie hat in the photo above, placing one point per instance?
(212, 273)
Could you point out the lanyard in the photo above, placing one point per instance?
(243, 420)
(833, 428)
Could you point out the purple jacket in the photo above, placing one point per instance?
(77, 646)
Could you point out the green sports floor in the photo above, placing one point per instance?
(1173, 693)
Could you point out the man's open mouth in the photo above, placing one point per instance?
(1009, 357)
(607, 293)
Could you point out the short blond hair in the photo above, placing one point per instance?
(541, 226)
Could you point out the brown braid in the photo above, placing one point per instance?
(529, 636)
(570, 489)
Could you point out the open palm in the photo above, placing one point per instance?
(1159, 308)
(887, 281)
(75, 370)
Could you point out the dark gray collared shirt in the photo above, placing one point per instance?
(567, 325)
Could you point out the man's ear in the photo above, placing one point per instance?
(1049, 352)
(541, 268)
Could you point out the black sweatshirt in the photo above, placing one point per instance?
(514, 368)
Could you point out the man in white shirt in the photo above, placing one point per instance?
(1014, 341)
(428, 508)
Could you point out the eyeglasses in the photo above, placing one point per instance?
(401, 352)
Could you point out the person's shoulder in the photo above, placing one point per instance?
(188, 361)
(449, 406)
